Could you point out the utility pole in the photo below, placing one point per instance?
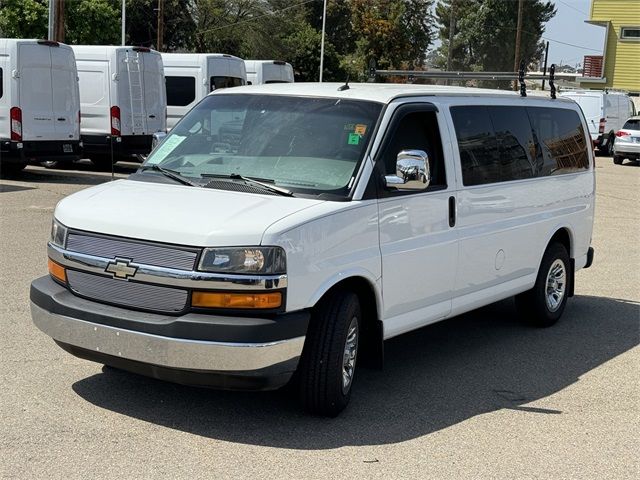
(324, 24)
(59, 21)
(516, 60)
(546, 57)
(452, 26)
(160, 39)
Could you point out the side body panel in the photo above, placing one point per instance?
(504, 228)
(7, 88)
(97, 91)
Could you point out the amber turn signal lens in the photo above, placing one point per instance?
(57, 271)
(236, 300)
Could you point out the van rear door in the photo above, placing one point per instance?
(66, 101)
(36, 92)
(155, 102)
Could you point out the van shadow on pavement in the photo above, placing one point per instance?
(81, 173)
(433, 378)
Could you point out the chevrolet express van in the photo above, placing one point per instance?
(39, 103)
(316, 223)
(192, 76)
(268, 71)
(123, 101)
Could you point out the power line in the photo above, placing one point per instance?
(574, 8)
(258, 17)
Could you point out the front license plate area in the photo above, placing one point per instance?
(67, 148)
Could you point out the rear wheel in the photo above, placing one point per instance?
(617, 159)
(543, 305)
(328, 362)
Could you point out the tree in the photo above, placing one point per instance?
(24, 18)
(396, 33)
(179, 26)
(485, 32)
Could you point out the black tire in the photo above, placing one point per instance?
(617, 159)
(532, 304)
(607, 149)
(12, 168)
(320, 373)
(51, 164)
(103, 163)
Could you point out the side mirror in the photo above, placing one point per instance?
(157, 138)
(412, 171)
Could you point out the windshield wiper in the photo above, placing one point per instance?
(170, 174)
(252, 181)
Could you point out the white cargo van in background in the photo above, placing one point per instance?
(192, 76)
(606, 113)
(268, 71)
(123, 100)
(39, 103)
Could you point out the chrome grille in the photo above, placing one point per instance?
(128, 294)
(143, 253)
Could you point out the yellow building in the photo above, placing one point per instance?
(619, 67)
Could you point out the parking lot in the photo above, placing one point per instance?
(477, 396)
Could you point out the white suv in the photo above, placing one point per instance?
(627, 144)
(294, 228)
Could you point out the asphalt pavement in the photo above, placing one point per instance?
(477, 396)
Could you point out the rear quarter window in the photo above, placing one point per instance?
(561, 138)
(181, 91)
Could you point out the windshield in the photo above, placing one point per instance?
(310, 145)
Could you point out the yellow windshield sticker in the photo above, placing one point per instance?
(361, 129)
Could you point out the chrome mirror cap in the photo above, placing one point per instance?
(157, 138)
(412, 171)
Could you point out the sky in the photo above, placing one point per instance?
(568, 26)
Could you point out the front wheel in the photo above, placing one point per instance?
(328, 362)
(543, 305)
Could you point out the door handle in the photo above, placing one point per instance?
(452, 211)
(61, 119)
(152, 116)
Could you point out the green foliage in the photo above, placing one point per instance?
(92, 22)
(485, 33)
(23, 18)
(179, 26)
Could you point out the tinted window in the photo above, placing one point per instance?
(181, 91)
(225, 82)
(478, 145)
(417, 131)
(561, 138)
(516, 143)
(632, 124)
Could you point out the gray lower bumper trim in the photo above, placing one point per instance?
(165, 351)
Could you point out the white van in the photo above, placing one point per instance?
(39, 103)
(314, 225)
(192, 76)
(123, 100)
(606, 112)
(268, 71)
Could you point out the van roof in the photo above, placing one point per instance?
(377, 92)
(197, 56)
(9, 42)
(591, 93)
(100, 49)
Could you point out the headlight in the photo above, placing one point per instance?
(58, 234)
(260, 260)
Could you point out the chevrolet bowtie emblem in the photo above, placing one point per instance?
(121, 268)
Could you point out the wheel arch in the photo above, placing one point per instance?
(564, 236)
(372, 342)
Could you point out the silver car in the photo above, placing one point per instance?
(627, 143)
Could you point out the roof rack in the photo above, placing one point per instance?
(520, 76)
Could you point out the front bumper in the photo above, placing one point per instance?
(194, 349)
(121, 146)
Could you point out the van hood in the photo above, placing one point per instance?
(177, 214)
